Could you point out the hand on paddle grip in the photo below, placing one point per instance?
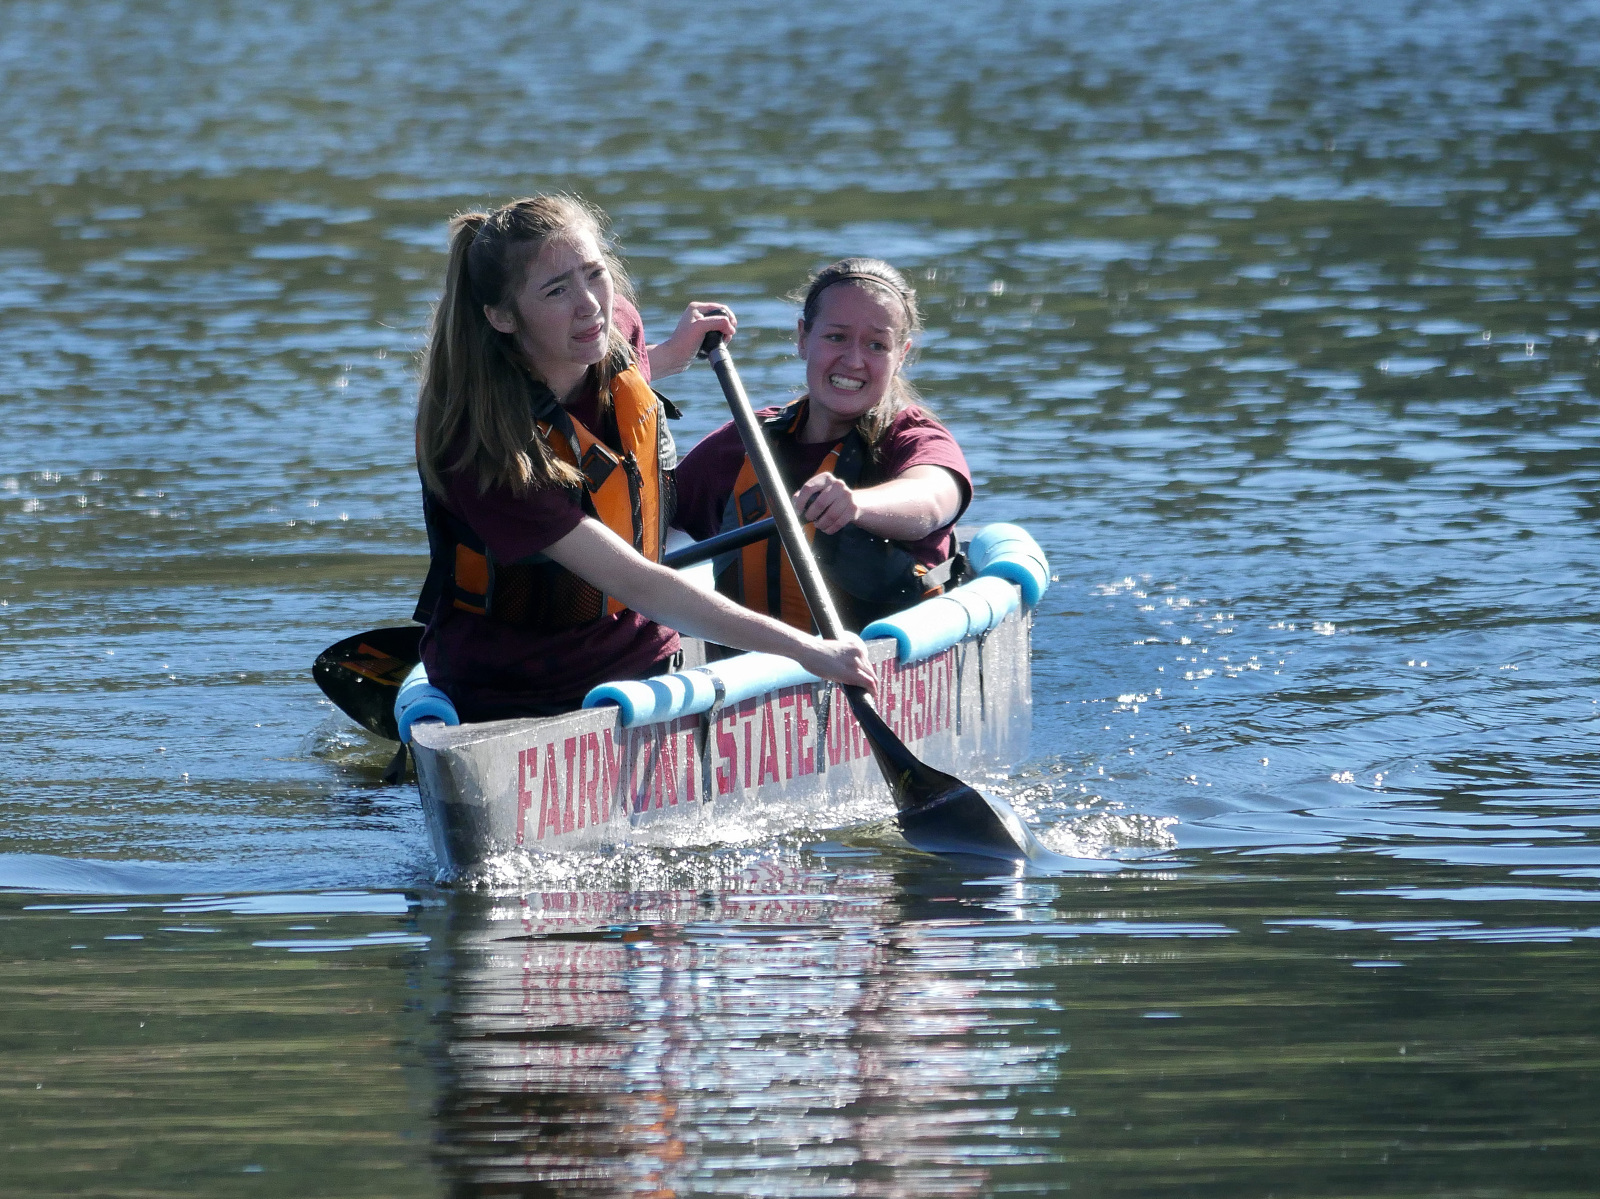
(826, 501)
(699, 321)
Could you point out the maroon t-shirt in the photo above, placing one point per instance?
(707, 473)
(492, 670)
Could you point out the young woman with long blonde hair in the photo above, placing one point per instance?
(547, 476)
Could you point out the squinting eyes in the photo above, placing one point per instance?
(554, 292)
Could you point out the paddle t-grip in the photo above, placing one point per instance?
(712, 341)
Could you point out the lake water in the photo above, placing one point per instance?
(1278, 326)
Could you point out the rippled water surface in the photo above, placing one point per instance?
(1278, 326)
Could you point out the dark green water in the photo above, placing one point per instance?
(1277, 324)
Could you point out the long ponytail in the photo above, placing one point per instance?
(476, 403)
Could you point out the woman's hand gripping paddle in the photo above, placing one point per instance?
(936, 812)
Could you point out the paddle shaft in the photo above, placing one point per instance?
(733, 539)
(773, 487)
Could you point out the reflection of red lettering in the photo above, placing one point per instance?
(549, 794)
(902, 711)
(769, 747)
(727, 752)
(910, 695)
(527, 764)
(908, 702)
(569, 750)
(922, 703)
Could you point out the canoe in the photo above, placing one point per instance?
(722, 750)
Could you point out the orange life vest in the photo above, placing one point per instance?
(869, 576)
(626, 493)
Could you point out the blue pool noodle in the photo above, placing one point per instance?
(690, 692)
(936, 624)
(1008, 552)
(421, 700)
(652, 701)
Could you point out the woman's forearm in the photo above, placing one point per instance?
(668, 598)
(910, 506)
(664, 596)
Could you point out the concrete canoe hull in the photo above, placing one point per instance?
(582, 781)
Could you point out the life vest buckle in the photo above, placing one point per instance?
(752, 506)
(597, 466)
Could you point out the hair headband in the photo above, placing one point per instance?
(850, 276)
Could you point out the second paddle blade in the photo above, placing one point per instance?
(362, 674)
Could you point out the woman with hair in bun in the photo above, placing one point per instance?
(878, 478)
(547, 476)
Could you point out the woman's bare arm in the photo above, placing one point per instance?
(906, 508)
(598, 555)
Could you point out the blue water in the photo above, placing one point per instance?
(1275, 324)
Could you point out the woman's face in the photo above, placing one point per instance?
(853, 351)
(562, 318)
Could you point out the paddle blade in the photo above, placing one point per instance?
(362, 674)
(966, 821)
(936, 811)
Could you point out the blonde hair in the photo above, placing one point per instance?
(873, 275)
(478, 391)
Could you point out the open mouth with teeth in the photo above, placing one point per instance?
(844, 383)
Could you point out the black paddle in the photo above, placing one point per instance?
(936, 812)
(362, 674)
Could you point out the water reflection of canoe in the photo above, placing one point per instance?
(746, 743)
(765, 1036)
